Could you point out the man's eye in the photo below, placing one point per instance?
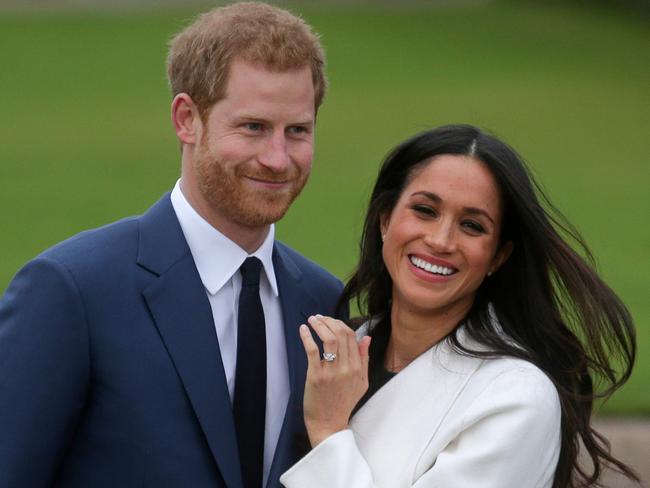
(473, 227)
(254, 126)
(297, 129)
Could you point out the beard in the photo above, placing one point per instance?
(227, 190)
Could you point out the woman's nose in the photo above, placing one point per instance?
(441, 237)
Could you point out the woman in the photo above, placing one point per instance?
(485, 334)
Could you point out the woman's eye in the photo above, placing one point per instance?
(425, 210)
(474, 227)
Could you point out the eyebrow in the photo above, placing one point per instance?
(470, 210)
(249, 116)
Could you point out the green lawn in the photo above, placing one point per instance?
(86, 138)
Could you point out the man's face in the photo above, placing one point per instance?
(255, 151)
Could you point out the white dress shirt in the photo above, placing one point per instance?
(218, 260)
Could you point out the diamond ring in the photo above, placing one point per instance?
(329, 356)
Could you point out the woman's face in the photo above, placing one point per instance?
(442, 237)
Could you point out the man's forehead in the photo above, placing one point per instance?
(268, 65)
(254, 90)
(242, 70)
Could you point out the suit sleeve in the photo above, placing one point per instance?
(343, 309)
(510, 436)
(44, 372)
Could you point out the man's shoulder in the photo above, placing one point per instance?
(83, 261)
(116, 240)
(112, 238)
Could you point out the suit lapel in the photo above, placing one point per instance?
(182, 314)
(296, 305)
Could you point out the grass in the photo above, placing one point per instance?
(86, 137)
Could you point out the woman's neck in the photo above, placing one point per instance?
(414, 332)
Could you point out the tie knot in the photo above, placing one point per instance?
(250, 272)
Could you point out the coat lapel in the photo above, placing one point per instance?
(441, 369)
(296, 305)
(182, 314)
(409, 410)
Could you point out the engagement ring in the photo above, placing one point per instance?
(329, 356)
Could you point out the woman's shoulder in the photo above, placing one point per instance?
(507, 383)
(503, 380)
(515, 369)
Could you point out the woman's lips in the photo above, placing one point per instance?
(431, 269)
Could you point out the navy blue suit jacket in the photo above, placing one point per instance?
(110, 370)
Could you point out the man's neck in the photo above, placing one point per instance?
(248, 238)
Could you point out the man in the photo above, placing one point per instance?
(135, 354)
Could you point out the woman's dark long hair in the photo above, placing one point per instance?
(546, 296)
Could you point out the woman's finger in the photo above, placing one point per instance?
(348, 343)
(364, 354)
(311, 349)
(330, 342)
(341, 331)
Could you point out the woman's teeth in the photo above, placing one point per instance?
(431, 268)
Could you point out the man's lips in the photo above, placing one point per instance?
(269, 183)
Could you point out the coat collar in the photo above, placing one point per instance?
(160, 225)
(443, 370)
(217, 257)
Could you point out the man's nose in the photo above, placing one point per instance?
(275, 155)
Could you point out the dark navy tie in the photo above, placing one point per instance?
(249, 404)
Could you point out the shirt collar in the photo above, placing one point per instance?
(217, 258)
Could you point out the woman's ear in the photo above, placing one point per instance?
(501, 256)
(186, 119)
(384, 221)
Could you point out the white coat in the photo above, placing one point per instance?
(446, 420)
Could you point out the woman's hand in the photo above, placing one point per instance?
(334, 387)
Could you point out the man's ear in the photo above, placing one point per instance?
(501, 256)
(186, 119)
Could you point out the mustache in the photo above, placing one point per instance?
(269, 176)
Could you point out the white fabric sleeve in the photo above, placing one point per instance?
(335, 462)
